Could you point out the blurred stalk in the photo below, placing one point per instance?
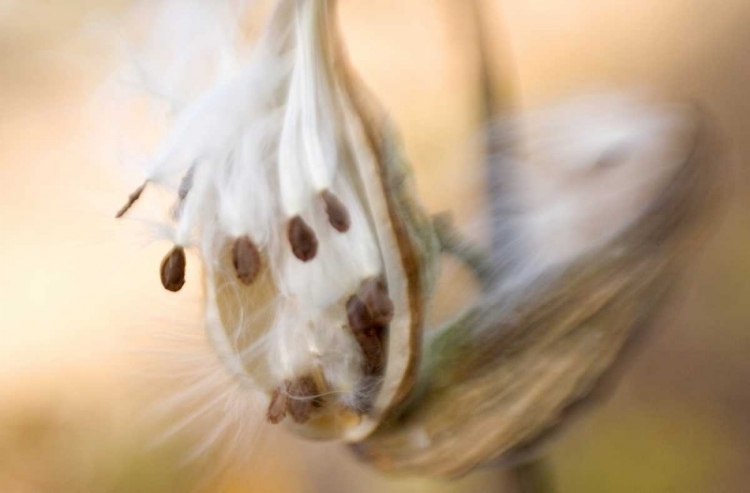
(533, 476)
(496, 99)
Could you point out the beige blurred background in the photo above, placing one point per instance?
(79, 298)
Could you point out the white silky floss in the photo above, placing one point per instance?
(261, 149)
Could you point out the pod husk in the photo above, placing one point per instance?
(409, 250)
(508, 374)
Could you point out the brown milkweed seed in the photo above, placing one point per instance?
(302, 398)
(173, 270)
(368, 333)
(246, 260)
(278, 406)
(358, 315)
(369, 312)
(374, 295)
(132, 199)
(338, 215)
(371, 343)
(303, 240)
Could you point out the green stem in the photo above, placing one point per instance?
(452, 242)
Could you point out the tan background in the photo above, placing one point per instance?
(79, 297)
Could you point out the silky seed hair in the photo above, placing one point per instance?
(264, 157)
(270, 197)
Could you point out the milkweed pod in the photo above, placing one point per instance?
(317, 259)
(344, 228)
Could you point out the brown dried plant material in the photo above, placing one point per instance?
(374, 294)
(338, 215)
(358, 315)
(246, 260)
(370, 341)
(132, 199)
(412, 273)
(490, 383)
(369, 312)
(277, 409)
(173, 270)
(302, 239)
(302, 398)
(498, 387)
(371, 307)
(395, 238)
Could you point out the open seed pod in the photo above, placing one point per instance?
(329, 325)
(318, 262)
(504, 376)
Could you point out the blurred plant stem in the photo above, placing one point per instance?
(495, 98)
(499, 380)
(498, 97)
(533, 476)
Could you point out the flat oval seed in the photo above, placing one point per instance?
(132, 199)
(368, 333)
(278, 407)
(338, 215)
(303, 240)
(374, 295)
(302, 399)
(246, 260)
(358, 315)
(173, 270)
(371, 344)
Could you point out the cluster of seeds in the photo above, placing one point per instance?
(283, 194)
(368, 312)
(245, 254)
